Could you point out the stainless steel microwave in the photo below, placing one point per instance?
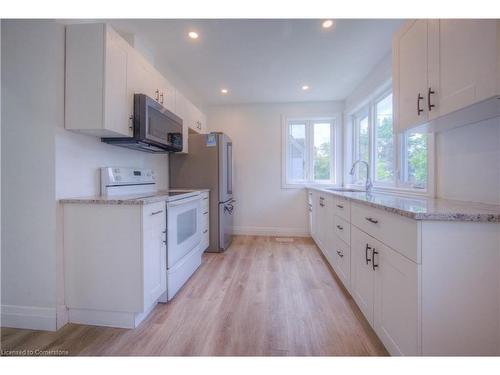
(156, 129)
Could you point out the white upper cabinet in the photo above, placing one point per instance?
(103, 72)
(190, 114)
(410, 74)
(442, 66)
(96, 96)
(462, 63)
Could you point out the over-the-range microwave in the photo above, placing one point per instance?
(156, 129)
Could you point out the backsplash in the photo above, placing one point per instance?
(79, 157)
(468, 162)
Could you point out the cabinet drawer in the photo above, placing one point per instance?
(342, 229)
(341, 207)
(398, 232)
(155, 209)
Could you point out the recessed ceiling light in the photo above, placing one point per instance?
(193, 35)
(327, 24)
(305, 87)
(224, 91)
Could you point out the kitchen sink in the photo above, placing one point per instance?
(347, 190)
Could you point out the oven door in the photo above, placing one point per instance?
(156, 124)
(183, 228)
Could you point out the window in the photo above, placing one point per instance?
(384, 141)
(395, 162)
(414, 160)
(310, 150)
(361, 145)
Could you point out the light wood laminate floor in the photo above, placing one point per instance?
(260, 297)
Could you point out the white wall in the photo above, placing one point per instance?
(32, 106)
(262, 206)
(468, 162)
(41, 163)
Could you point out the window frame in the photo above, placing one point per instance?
(397, 185)
(336, 154)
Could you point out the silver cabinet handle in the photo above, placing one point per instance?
(156, 212)
(371, 220)
(205, 231)
(157, 95)
(340, 206)
(161, 98)
(340, 227)
(206, 212)
(340, 253)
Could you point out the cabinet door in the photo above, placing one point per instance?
(410, 81)
(315, 216)
(323, 223)
(362, 275)
(310, 213)
(182, 110)
(396, 317)
(462, 63)
(117, 109)
(167, 93)
(154, 252)
(139, 77)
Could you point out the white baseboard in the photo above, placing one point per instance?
(270, 231)
(29, 317)
(62, 316)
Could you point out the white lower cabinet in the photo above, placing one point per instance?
(384, 284)
(362, 275)
(114, 262)
(396, 301)
(425, 287)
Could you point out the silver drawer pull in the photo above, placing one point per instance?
(205, 231)
(205, 198)
(340, 253)
(206, 212)
(164, 231)
(340, 227)
(156, 212)
(340, 206)
(371, 220)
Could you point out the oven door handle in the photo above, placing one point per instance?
(181, 202)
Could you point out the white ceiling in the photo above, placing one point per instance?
(266, 60)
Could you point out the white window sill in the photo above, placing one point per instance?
(306, 185)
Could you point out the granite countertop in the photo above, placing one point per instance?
(159, 196)
(423, 208)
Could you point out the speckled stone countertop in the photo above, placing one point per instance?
(424, 208)
(159, 196)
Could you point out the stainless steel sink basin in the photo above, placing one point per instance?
(347, 190)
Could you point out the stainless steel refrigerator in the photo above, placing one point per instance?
(208, 165)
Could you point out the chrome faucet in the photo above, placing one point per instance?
(369, 184)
